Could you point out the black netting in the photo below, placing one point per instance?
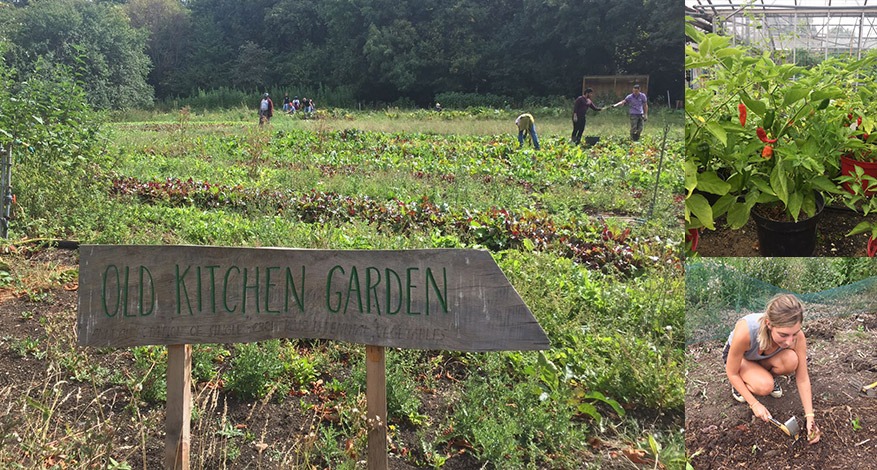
(718, 291)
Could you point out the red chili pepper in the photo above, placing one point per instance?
(859, 121)
(872, 247)
(767, 152)
(762, 135)
(741, 108)
(693, 236)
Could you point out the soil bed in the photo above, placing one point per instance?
(831, 239)
(721, 433)
(264, 434)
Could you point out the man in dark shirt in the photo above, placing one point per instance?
(580, 108)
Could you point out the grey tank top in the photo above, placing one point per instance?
(752, 321)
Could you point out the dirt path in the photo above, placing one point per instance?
(723, 434)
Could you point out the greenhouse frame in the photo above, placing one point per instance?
(821, 28)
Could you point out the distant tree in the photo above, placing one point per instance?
(96, 41)
(381, 50)
(168, 25)
(251, 68)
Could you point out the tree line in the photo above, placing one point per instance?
(130, 53)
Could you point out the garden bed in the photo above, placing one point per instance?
(721, 433)
(227, 432)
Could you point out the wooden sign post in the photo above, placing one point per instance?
(181, 295)
(376, 406)
(179, 406)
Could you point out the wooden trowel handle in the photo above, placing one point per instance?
(781, 426)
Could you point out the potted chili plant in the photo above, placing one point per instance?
(859, 176)
(758, 135)
(860, 151)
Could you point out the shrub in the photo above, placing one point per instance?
(56, 150)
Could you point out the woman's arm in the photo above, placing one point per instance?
(802, 379)
(739, 345)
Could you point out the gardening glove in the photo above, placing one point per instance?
(575, 118)
(813, 432)
(645, 118)
(760, 411)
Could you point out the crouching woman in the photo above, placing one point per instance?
(764, 346)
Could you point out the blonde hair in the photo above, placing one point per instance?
(783, 310)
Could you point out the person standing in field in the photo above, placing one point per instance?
(527, 126)
(286, 103)
(763, 346)
(638, 104)
(579, 109)
(266, 109)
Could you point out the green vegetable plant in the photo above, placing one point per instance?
(757, 133)
(860, 197)
(860, 148)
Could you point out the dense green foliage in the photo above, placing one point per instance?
(95, 40)
(55, 145)
(344, 52)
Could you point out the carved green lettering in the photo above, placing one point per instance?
(442, 293)
(408, 287)
(212, 271)
(182, 291)
(125, 294)
(104, 291)
(371, 288)
(145, 270)
(268, 286)
(290, 288)
(225, 289)
(353, 286)
(329, 292)
(254, 288)
(388, 273)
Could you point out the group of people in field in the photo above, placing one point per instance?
(290, 106)
(636, 101)
(294, 105)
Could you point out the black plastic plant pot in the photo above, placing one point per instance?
(776, 238)
(591, 141)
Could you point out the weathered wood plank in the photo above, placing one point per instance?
(421, 299)
(376, 401)
(179, 407)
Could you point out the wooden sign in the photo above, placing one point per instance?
(422, 299)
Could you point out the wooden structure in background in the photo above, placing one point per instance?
(614, 86)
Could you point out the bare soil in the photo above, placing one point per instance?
(831, 239)
(723, 434)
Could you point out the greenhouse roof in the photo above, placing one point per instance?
(785, 7)
(829, 26)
